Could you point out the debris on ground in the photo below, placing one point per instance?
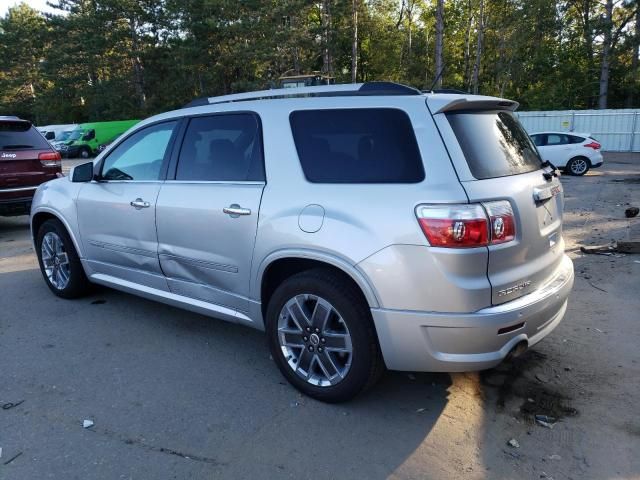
(513, 443)
(10, 405)
(612, 249)
(12, 458)
(512, 454)
(544, 475)
(87, 424)
(631, 212)
(420, 410)
(546, 421)
(541, 377)
(555, 457)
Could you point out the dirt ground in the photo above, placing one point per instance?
(175, 395)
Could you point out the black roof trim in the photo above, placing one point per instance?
(198, 102)
(386, 88)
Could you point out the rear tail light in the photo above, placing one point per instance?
(594, 145)
(467, 225)
(50, 159)
(503, 222)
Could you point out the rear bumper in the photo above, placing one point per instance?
(454, 342)
(16, 205)
(597, 163)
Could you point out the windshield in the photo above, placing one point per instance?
(65, 135)
(494, 143)
(76, 134)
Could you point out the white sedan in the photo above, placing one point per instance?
(573, 152)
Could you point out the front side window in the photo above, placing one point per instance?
(141, 155)
(225, 147)
(538, 140)
(360, 145)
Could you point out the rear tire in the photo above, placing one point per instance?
(333, 356)
(59, 261)
(578, 166)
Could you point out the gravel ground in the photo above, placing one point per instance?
(175, 395)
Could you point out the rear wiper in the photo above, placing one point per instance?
(550, 170)
(16, 147)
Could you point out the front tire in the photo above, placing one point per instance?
(578, 166)
(321, 336)
(59, 261)
(84, 152)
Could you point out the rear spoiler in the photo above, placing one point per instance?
(441, 103)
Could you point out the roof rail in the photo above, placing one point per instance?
(348, 89)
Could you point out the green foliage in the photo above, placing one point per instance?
(114, 59)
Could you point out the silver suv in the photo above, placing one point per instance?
(361, 226)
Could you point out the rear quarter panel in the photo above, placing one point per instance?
(360, 220)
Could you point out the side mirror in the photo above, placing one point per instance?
(81, 173)
(50, 136)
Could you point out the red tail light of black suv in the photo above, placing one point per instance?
(26, 161)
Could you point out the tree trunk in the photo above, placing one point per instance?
(137, 66)
(606, 51)
(439, 35)
(354, 41)
(327, 66)
(467, 47)
(476, 65)
(634, 62)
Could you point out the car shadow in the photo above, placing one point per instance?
(159, 379)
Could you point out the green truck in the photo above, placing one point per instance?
(86, 139)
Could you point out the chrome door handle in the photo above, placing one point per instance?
(138, 203)
(236, 210)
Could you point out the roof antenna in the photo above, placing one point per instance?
(437, 77)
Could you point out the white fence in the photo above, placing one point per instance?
(616, 130)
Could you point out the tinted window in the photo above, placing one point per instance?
(21, 136)
(365, 145)
(494, 143)
(538, 140)
(557, 139)
(575, 139)
(140, 156)
(222, 148)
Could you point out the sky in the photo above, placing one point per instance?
(37, 4)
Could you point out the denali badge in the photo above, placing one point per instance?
(515, 288)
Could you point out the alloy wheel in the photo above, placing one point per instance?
(579, 166)
(55, 260)
(315, 340)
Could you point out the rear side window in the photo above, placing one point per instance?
(21, 136)
(494, 143)
(222, 148)
(557, 139)
(575, 139)
(364, 145)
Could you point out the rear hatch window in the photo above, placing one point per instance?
(20, 135)
(494, 143)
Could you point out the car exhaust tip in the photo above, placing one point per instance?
(518, 350)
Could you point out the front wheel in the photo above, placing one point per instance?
(85, 152)
(321, 336)
(59, 261)
(578, 166)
